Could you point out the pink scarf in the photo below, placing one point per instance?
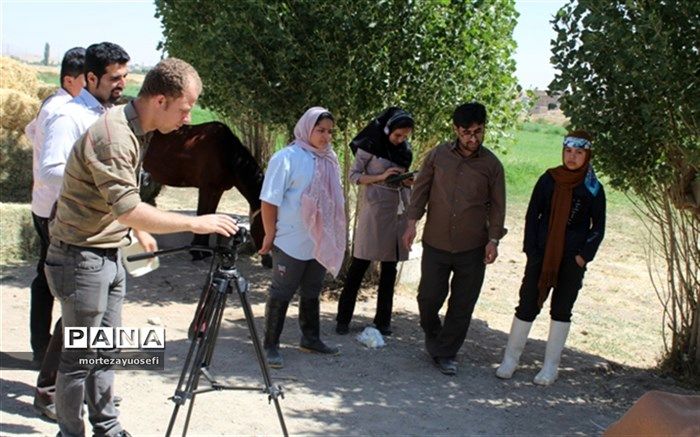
(322, 203)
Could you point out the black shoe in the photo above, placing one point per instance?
(342, 328)
(385, 330)
(316, 345)
(448, 366)
(123, 433)
(44, 405)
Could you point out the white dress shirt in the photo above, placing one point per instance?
(41, 194)
(62, 130)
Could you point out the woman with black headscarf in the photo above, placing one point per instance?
(381, 151)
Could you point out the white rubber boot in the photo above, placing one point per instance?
(558, 331)
(519, 331)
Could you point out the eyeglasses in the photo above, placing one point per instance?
(467, 134)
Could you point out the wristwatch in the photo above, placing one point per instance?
(494, 241)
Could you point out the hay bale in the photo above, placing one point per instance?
(15, 167)
(18, 239)
(17, 76)
(17, 109)
(45, 90)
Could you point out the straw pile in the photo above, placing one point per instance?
(17, 76)
(17, 109)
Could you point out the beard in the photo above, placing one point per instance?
(115, 96)
(469, 147)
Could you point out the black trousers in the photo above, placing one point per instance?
(569, 282)
(52, 358)
(444, 339)
(41, 304)
(385, 293)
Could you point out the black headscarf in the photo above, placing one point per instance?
(374, 138)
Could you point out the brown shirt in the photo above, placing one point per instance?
(100, 182)
(465, 198)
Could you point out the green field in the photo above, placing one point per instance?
(537, 147)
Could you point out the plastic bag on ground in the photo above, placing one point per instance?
(371, 337)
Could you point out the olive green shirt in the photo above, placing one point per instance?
(465, 198)
(101, 181)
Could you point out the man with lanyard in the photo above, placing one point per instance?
(99, 202)
(105, 73)
(462, 184)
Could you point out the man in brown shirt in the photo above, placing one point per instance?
(462, 185)
(99, 202)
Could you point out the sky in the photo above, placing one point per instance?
(27, 25)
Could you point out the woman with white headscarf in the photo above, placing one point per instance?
(304, 219)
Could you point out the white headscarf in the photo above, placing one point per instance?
(322, 203)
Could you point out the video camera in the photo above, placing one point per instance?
(228, 244)
(226, 247)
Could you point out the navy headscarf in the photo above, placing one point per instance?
(374, 138)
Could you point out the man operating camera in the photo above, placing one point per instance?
(99, 202)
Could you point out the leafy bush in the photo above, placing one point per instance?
(640, 96)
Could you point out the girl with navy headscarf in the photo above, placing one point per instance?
(564, 225)
(381, 151)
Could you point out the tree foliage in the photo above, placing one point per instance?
(270, 60)
(629, 73)
(264, 62)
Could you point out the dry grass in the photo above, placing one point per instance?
(18, 76)
(17, 109)
(18, 237)
(45, 91)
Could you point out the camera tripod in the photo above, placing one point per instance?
(222, 278)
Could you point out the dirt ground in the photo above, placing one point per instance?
(392, 390)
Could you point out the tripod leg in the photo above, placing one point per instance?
(274, 392)
(212, 333)
(207, 318)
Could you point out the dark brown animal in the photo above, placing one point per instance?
(210, 157)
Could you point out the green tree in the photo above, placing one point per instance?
(264, 62)
(629, 73)
(269, 60)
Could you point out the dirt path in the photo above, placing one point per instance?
(394, 390)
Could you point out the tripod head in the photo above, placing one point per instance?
(226, 248)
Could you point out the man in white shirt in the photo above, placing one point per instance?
(105, 76)
(72, 81)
